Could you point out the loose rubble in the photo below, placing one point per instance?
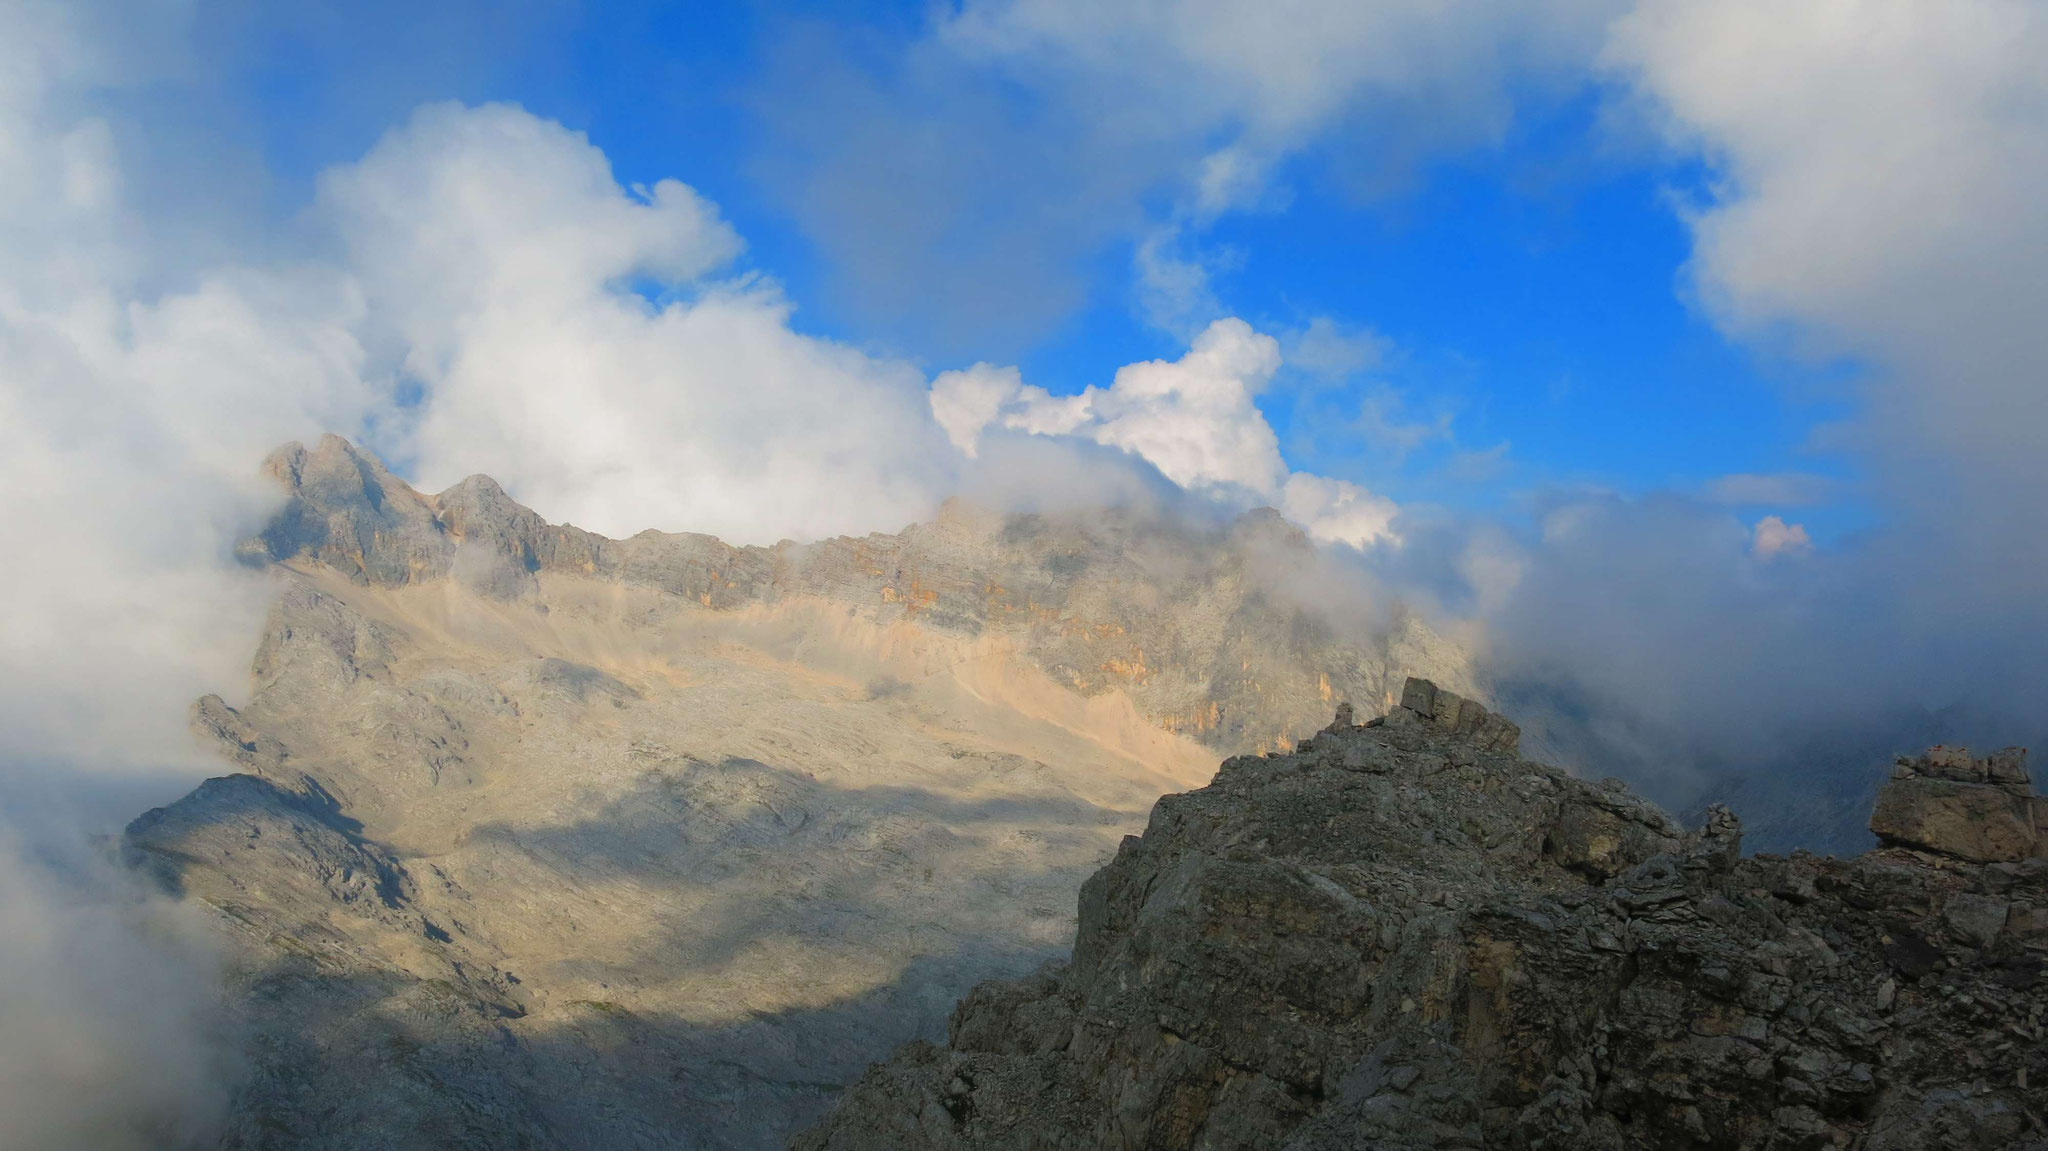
(1401, 935)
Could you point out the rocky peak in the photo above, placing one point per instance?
(1267, 528)
(345, 510)
(1401, 936)
(1453, 717)
(1951, 803)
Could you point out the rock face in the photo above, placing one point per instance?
(1402, 935)
(541, 839)
(1982, 810)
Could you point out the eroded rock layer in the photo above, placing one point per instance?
(1403, 935)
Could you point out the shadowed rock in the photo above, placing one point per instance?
(1982, 810)
(1403, 936)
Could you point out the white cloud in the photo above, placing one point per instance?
(1283, 70)
(109, 1000)
(1878, 171)
(1194, 419)
(1786, 489)
(1337, 511)
(130, 426)
(969, 400)
(504, 253)
(1774, 537)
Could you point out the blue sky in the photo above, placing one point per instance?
(1530, 288)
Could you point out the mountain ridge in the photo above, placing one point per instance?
(347, 512)
(538, 838)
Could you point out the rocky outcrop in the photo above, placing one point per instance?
(1403, 935)
(1950, 803)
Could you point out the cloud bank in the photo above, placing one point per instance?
(1874, 196)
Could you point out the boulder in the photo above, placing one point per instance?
(1949, 803)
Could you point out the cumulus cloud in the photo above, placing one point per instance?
(570, 342)
(128, 423)
(1337, 511)
(1773, 536)
(1194, 419)
(969, 400)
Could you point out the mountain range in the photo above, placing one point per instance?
(536, 838)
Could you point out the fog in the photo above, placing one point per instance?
(112, 1032)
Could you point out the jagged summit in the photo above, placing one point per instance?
(1402, 935)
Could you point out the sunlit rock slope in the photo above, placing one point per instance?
(540, 839)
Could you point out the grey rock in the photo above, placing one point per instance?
(1514, 958)
(1976, 919)
(2008, 766)
(1942, 802)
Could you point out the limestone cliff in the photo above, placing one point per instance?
(1403, 935)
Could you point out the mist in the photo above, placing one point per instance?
(113, 1033)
